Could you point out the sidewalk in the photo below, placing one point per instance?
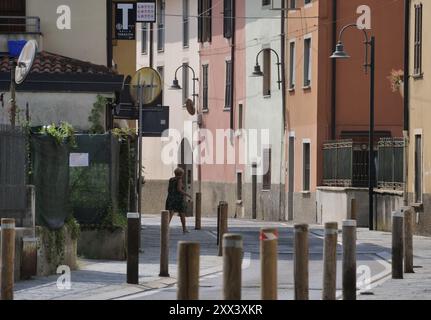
(415, 286)
(104, 280)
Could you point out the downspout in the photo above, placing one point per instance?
(406, 98)
(232, 48)
(282, 203)
(334, 74)
(109, 25)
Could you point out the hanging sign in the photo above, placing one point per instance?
(125, 20)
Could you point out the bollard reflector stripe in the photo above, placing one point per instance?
(331, 231)
(349, 223)
(268, 235)
(228, 243)
(8, 226)
(133, 215)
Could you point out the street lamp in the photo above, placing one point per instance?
(339, 53)
(258, 71)
(176, 85)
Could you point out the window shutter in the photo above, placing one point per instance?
(200, 18)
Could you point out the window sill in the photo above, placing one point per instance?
(266, 190)
(418, 205)
(205, 110)
(291, 89)
(305, 192)
(226, 109)
(305, 88)
(418, 76)
(268, 96)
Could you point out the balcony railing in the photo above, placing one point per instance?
(19, 24)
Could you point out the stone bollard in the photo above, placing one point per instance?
(133, 230)
(330, 261)
(353, 209)
(8, 258)
(349, 260)
(223, 227)
(198, 218)
(268, 263)
(188, 271)
(397, 244)
(232, 263)
(408, 239)
(301, 262)
(164, 244)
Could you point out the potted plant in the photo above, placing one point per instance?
(396, 78)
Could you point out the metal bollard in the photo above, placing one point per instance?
(330, 261)
(301, 262)
(353, 209)
(223, 225)
(397, 245)
(349, 259)
(232, 263)
(164, 244)
(408, 239)
(268, 263)
(198, 217)
(133, 229)
(8, 258)
(188, 270)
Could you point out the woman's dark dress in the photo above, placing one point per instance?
(175, 200)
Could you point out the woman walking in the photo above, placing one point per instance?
(175, 200)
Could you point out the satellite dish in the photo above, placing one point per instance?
(25, 61)
(190, 106)
(151, 82)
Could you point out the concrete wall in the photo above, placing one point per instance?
(386, 203)
(86, 40)
(334, 204)
(53, 107)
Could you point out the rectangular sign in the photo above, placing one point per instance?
(125, 21)
(78, 160)
(146, 11)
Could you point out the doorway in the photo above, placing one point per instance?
(186, 163)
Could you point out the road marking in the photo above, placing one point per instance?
(246, 261)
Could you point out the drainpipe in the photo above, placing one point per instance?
(109, 26)
(283, 106)
(232, 48)
(334, 74)
(406, 97)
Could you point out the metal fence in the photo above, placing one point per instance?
(13, 166)
(345, 164)
(390, 163)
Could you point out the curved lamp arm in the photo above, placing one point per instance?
(278, 63)
(194, 80)
(367, 41)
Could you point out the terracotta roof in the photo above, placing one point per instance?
(50, 63)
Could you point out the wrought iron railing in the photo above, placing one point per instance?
(390, 163)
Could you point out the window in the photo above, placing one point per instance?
(228, 21)
(266, 2)
(185, 81)
(161, 26)
(418, 41)
(307, 62)
(292, 71)
(228, 90)
(267, 72)
(204, 20)
(306, 167)
(266, 182)
(418, 168)
(186, 19)
(205, 87)
(240, 115)
(307, 2)
(144, 38)
(161, 71)
(16, 8)
(292, 4)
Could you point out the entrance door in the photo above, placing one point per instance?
(186, 163)
(291, 178)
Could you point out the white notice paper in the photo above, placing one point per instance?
(78, 160)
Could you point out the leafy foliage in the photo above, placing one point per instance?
(96, 114)
(63, 134)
